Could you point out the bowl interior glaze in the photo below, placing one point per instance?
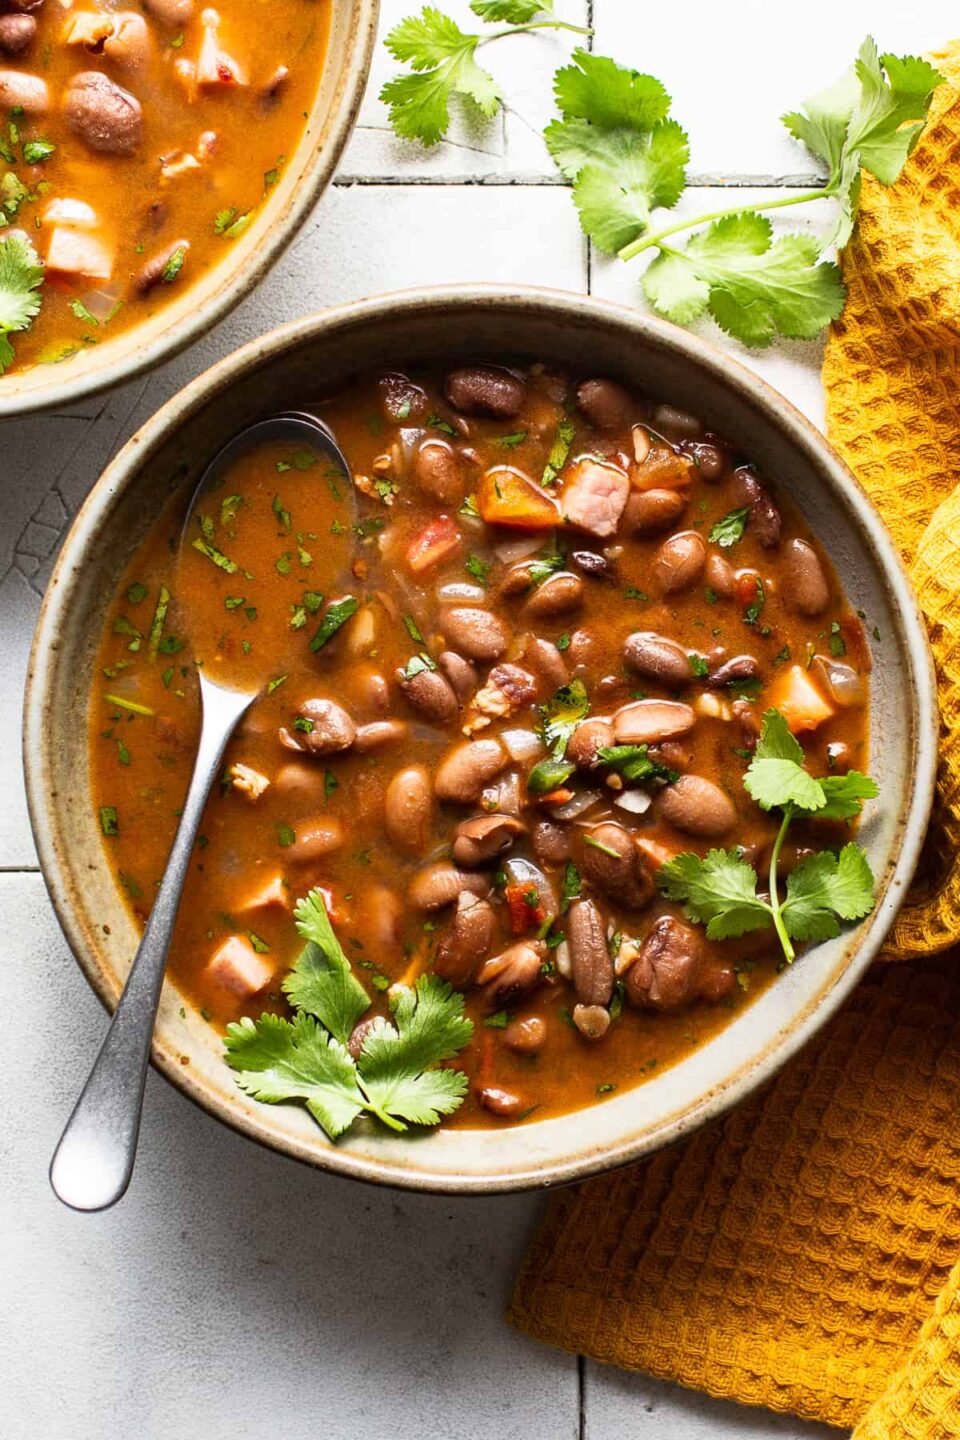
(432, 327)
(304, 177)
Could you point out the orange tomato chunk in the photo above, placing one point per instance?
(434, 543)
(507, 497)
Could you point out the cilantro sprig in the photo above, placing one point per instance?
(21, 275)
(625, 157)
(443, 63)
(720, 889)
(307, 1059)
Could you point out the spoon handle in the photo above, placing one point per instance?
(93, 1162)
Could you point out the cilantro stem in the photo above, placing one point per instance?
(534, 25)
(645, 242)
(775, 909)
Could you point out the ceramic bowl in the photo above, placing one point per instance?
(303, 179)
(435, 326)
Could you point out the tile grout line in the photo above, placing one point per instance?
(581, 1397)
(545, 182)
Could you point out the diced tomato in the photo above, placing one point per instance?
(434, 543)
(524, 916)
(506, 497)
(746, 587)
(800, 700)
(556, 797)
(654, 852)
(663, 470)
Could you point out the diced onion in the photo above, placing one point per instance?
(845, 685)
(409, 442)
(580, 803)
(561, 958)
(521, 744)
(636, 801)
(509, 550)
(461, 590)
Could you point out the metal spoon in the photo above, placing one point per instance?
(93, 1163)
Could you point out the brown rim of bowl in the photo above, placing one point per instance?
(213, 295)
(804, 436)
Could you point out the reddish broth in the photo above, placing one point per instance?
(423, 454)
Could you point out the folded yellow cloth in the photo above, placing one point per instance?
(804, 1253)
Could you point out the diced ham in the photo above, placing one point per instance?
(237, 967)
(249, 782)
(270, 894)
(89, 28)
(594, 497)
(76, 213)
(76, 252)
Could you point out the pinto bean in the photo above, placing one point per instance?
(465, 769)
(551, 843)
(499, 1101)
(594, 565)
(738, 667)
(764, 519)
(436, 469)
(507, 976)
(547, 660)
(485, 390)
(709, 460)
(478, 634)
(316, 838)
(650, 512)
(158, 269)
(440, 884)
(720, 576)
(657, 658)
(461, 674)
(605, 404)
(104, 116)
(359, 1033)
(17, 33)
(408, 807)
(24, 92)
(614, 866)
(379, 733)
(646, 722)
(525, 1037)
(666, 975)
(556, 596)
(432, 694)
(299, 779)
(482, 839)
(679, 562)
(589, 737)
(466, 944)
(330, 728)
(401, 399)
(593, 973)
(805, 586)
(170, 12)
(593, 1021)
(697, 807)
(676, 424)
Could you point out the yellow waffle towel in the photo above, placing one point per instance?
(804, 1253)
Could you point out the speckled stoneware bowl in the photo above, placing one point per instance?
(303, 179)
(435, 326)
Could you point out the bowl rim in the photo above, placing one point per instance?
(286, 221)
(800, 432)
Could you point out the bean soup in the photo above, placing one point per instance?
(562, 738)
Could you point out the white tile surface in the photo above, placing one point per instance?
(234, 1294)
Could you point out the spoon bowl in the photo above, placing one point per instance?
(93, 1163)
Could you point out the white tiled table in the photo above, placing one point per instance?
(235, 1294)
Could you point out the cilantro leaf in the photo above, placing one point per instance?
(753, 285)
(276, 1060)
(395, 1063)
(730, 529)
(443, 63)
(846, 794)
(775, 775)
(633, 763)
(719, 891)
(561, 714)
(827, 887)
(21, 275)
(597, 89)
(514, 12)
(559, 451)
(322, 982)
(624, 158)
